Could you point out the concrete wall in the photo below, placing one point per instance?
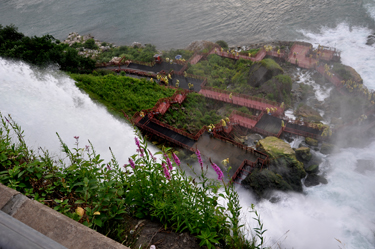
(51, 223)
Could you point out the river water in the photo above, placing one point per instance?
(45, 102)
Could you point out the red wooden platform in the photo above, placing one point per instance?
(251, 102)
(259, 56)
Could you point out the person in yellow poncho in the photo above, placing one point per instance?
(177, 83)
(223, 123)
(225, 162)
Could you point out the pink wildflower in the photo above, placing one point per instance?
(137, 142)
(198, 153)
(76, 137)
(132, 164)
(153, 158)
(141, 152)
(218, 171)
(168, 162)
(108, 167)
(176, 160)
(166, 172)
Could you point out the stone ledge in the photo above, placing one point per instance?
(54, 225)
(6, 194)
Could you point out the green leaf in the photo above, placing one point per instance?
(79, 202)
(98, 222)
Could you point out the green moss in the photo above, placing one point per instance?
(270, 64)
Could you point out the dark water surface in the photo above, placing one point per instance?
(168, 23)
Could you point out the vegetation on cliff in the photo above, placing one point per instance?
(42, 51)
(121, 92)
(145, 54)
(197, 111)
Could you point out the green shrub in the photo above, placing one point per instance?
(122, 92)
(90, 44)
(42, 51)
(101, 195)
(222, 44)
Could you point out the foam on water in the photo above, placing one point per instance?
(44, 102)
(321, 91)
(352, 42)
(342, 209)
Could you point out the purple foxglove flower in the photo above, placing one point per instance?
(198, 153)
(132, 164)
(166, 172)
(168, 162)
(176, 159)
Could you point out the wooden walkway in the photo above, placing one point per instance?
(250, 102)
(243, 121)
(259, 56)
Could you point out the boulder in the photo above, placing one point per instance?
(311, 141)
(197, 46)
(312, 169)
(326, 148)
(308, 114)
(263, 71)
(314, 179)
(284, 171)
(370, 40)
(303, 154)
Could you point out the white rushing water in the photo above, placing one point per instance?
(343, 210)
(44, 102)
(352, 42)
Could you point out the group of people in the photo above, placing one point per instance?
(168, 78)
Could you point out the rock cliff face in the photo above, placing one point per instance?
(263, 71)
(283, 173)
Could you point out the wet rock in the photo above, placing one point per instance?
(312, 169)
(197, 46)
(303, 154)
(364, 165)
(308, 114)
(326, 148)
(137, 44)
(263, 71)
(311, 141)
(314, 179)
(370, 40)
(284, 171)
